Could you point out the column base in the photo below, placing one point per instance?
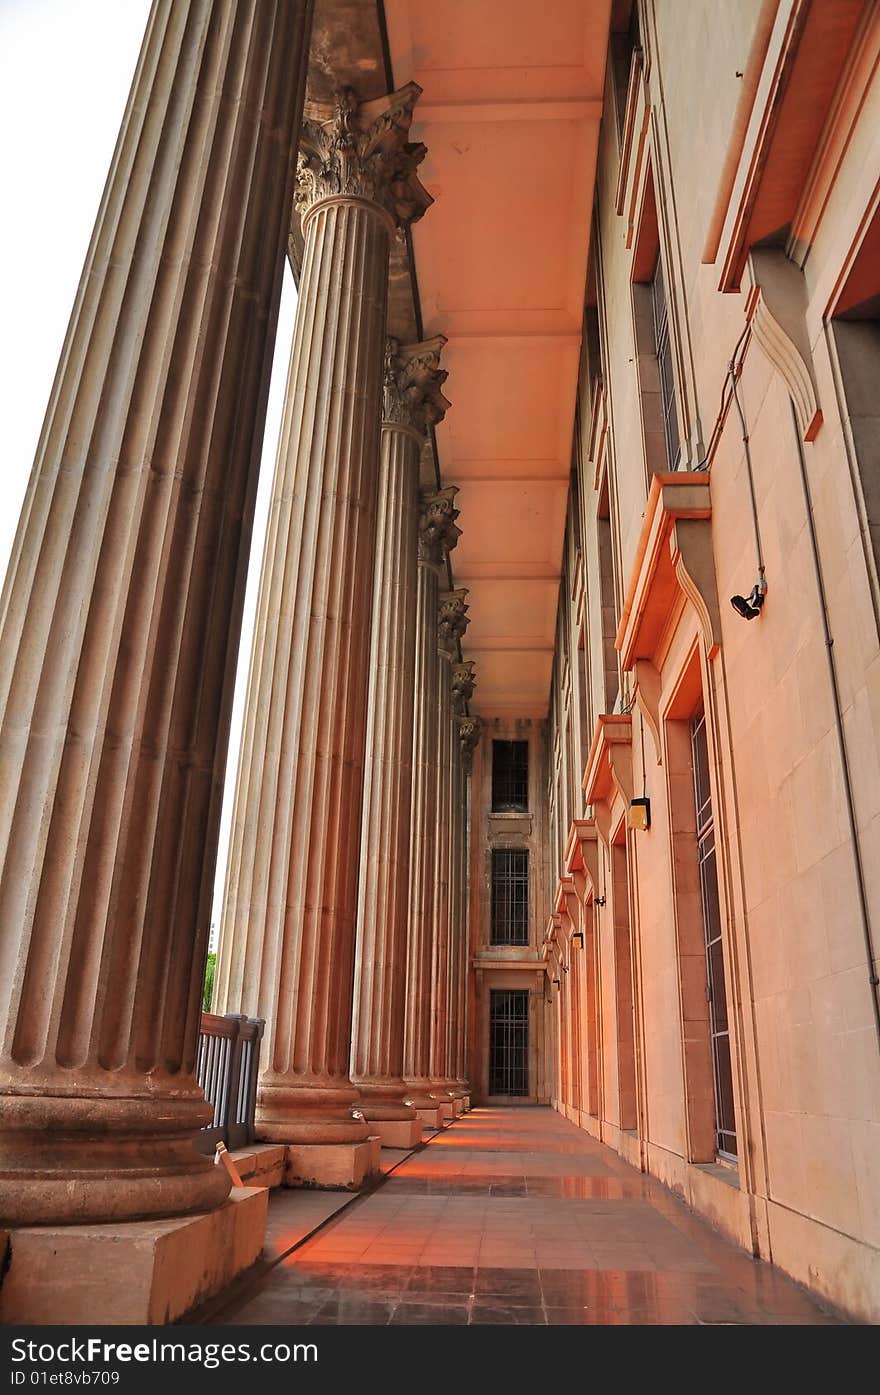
(398, 1133)
(83, 1161)
(139, 1273)
(332, 1166)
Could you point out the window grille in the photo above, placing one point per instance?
(509, 1041)
(725, 1125)
(510, 776)
(663, 345)
(510, 896)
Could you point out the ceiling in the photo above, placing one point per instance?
(510, 115)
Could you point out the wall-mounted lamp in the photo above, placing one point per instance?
(598, 900)
(565, 968)
(750, 606)
(639, 814)
(577, 936)
(556, 983)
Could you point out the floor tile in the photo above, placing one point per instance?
(511, 1217)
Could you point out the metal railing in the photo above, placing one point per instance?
(227, 1066)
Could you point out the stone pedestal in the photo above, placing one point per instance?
(431, 1118)
(336, 1166)
(412, 401)
(138, 1273)
(398, 1133)
(120, 622)
(437, 535)
(288, 932)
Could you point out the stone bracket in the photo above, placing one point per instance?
(648, 699)
(674, 557)
(776, 309)
(609, 768)
(582, 858)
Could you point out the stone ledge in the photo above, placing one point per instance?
(139, 1273)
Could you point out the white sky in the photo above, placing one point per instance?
(65, 70)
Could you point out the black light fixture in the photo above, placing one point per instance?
(598, 900)
(556, 983)
(750, 606)
(577, 935)
(639, 815)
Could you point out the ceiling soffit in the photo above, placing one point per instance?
(509, 113)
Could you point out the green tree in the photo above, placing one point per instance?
(209, 982)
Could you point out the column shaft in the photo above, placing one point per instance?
(468, 736)
(288, 933)
(412, 398)
(120, 619)
(442, 901)
(457, 915)
(417, 1053)
(452, 620)
(437, 534)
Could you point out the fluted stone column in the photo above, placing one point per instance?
(463, 684)
(452, 622)
(119, 625)
(437, 535)
(412, 402)
(469, 731)
(288, 931)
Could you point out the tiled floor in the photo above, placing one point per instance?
(516, 1216)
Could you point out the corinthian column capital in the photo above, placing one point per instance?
(464, 680)
(359, 150)
(413, 382)
(437, 531)
(470, 729)
(452, 620)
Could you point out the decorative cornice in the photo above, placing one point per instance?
(464, 680)
(413, 379)
(452, 620)
(352, 150)
(437, 531)
(470, 729)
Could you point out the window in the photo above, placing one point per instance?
(663, 346)
(510, 776)
(625, 42)
(509, 1041)
(725, 1126)
(510, 896)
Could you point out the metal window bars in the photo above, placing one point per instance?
(510, 776)
(510, 896)
(509, 1041)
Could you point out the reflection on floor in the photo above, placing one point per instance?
(516, 1216)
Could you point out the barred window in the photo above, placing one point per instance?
(510, 776)
(664, 364)
(510, 896)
